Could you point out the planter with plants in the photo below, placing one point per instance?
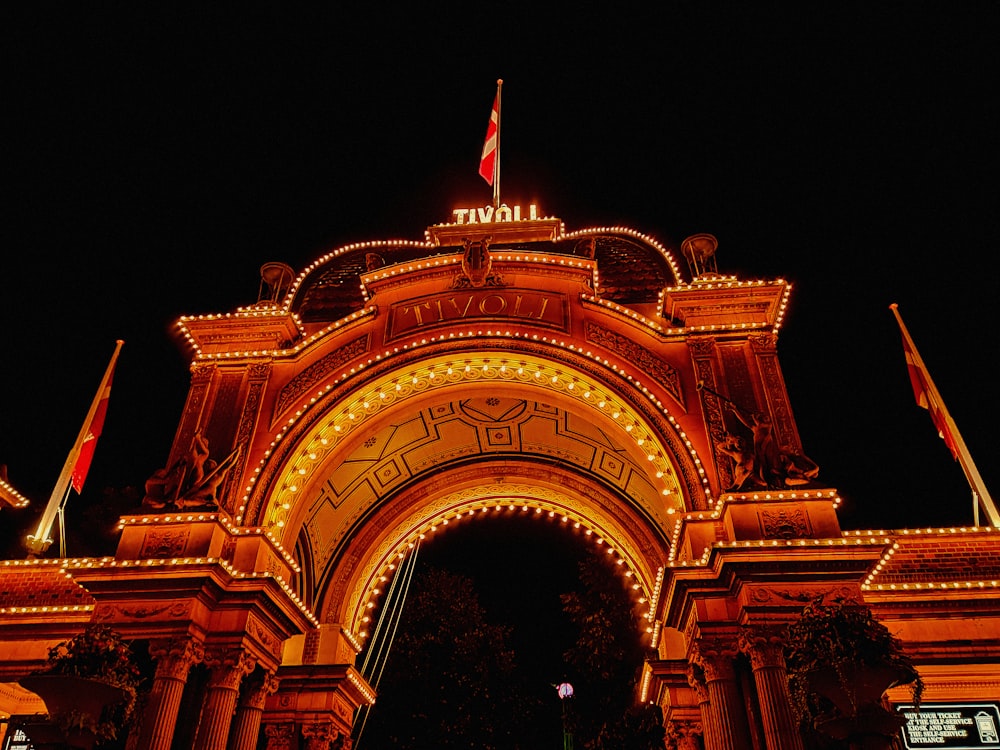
(840, 661)
(89, 688)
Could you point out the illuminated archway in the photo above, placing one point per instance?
(334, 430)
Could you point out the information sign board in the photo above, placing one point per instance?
(17, 740)
(953, 726)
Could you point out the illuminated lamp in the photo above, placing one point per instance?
(565, 691)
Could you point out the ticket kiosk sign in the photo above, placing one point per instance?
(955, 726)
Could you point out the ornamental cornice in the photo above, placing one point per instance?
(662, 372)
(311, 376)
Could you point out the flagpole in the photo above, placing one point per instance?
(975, 481)
(40, 541)
(61, 512)
(496, 163)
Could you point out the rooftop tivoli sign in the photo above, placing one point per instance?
(489, 214)
(504, 223)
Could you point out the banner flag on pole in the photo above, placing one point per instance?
(928, 397)
(925, 393)
(78, 462)
(488, 162)
(93, 431)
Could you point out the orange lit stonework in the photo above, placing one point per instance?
(394, 390)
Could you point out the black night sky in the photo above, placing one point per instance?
(156, 157)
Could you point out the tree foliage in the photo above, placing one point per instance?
(451, 680)
(606, 662)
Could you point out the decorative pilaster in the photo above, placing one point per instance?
(764, 647)
(246, 725)
(683, 735)
(280, 737)
(716, 656)
(174, 659)
(228, 666)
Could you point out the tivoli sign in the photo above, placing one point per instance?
(493, 303)
(488, 214)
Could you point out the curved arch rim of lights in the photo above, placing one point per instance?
(438, 372)
(530, 500)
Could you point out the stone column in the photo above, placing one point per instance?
(716, 656)
(246, 725)
(174, 659)
(764, 647)
(696, 679)
(228, 666)
(319, 735)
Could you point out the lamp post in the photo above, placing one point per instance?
(565, 691)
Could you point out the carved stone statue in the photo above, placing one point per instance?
(771, 467)
(192, 482)
(744, 475)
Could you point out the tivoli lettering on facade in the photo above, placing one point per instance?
(488, 214)
(486, 304)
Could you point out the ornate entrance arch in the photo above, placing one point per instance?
(400, 386)
(393, 388)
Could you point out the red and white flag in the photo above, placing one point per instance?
(488, 163)
(924, 391)
(920, 380)
(82, 465)
(77, 464)
(928, 397)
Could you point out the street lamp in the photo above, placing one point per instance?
(565, 691)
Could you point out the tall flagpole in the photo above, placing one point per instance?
(938, 410)
(496, 163)
(40, 541)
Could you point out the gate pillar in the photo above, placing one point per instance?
(228, 667)
(717, 658)
(174, 659)
(246, 724)
(764, 647)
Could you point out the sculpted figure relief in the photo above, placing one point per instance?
(477, 265)
(763, 464)
(767, 464)
(744, 475)
(192, 482)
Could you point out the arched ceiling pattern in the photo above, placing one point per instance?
(419, 385)
(480, 426)
(400, 429)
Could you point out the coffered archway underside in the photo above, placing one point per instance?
(487, 428)
(359, 450)
(413, 472)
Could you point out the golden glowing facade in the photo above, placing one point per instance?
(392, 388)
